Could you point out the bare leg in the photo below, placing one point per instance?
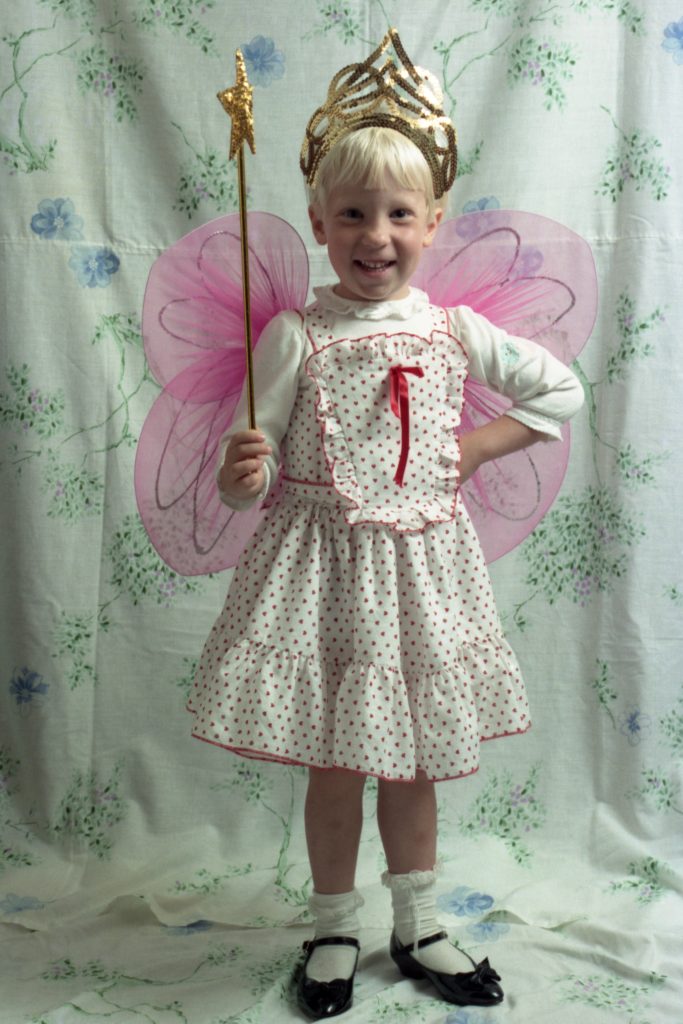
(334, 819)
(406, 815)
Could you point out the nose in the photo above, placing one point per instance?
(375, 233)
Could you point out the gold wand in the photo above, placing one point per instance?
(238, 104)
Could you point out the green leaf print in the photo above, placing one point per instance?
(633, 330)
(634, 161)
(206, 179)
(185, 682)
(83, 11)
(207, 883)
(625, 11)
(180, 17)
(671, 725)
(21, 152)
(674, 593)
(636, 471)
(28, 408)
(10, 855)
(74, 493)
(139, 572)
(605, 993)
(73, 638)
(103, 67)
(264, 975)
(580, 548)
(112, 76)
(661, 789)
(501, 8)
(341, 18)
(544, 65)
(254, 786)
(89, 811)
(507, 810)
(606, 695)
(645, 881)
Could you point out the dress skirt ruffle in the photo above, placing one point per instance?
(359, 648)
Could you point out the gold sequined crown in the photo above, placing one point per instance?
(395, 94)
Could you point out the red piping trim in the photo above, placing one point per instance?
(254, 755)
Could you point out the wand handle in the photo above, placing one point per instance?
(246, 294)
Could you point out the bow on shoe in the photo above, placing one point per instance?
(478, 987)
(321, 999)
(484, 973)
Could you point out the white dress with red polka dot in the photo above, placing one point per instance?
(360, 630)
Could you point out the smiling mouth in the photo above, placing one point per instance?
(374, 265)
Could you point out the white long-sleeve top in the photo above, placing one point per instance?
(544, 392)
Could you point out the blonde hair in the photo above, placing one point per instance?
(370, 157)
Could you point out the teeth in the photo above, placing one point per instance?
(373, 266)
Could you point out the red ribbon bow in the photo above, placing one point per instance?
(400, 406)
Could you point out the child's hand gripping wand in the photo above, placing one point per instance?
(237, 103)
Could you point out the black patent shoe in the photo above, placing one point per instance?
(320, 999)
(471, 988)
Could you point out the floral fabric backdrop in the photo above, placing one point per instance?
(146, 876)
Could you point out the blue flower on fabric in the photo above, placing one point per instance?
(94, 266)
(189, 929)
(264, 63)
(673, 40)
(471, 227)
(27, 687)
(57, 218)
(13, 904)
(465, 902)
(487, 931)
(485, 203)
(467, 1016)
(634, 725)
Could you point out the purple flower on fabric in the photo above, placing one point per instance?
(465, 902)
(264, 63)
(633, 725)
(673, 40)
(27, 687)
(94, 266)
(57, 218)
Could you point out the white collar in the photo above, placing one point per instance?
(393, 309)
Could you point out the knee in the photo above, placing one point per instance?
(335, 786)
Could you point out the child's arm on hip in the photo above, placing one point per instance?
(500, 437)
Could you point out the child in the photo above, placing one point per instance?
(359, 636)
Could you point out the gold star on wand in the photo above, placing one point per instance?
(238, 104)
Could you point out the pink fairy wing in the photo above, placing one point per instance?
(193, 332)
(534, 278)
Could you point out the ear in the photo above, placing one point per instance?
(317, 225)
(431, 229)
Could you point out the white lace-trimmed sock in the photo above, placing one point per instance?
(414, 903)
(335, 914)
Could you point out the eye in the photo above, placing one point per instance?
(401, 213)
(351, 214)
